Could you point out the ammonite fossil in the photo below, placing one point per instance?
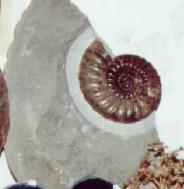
(124, 89)
(4, 111)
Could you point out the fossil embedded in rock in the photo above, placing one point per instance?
(124, 89)
(4, 111)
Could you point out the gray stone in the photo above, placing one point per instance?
(49, 139)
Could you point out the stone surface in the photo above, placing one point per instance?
(49, 140)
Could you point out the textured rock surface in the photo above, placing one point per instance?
(4, 112)
(49, 139)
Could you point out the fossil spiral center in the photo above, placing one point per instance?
(121, 81)
(126, 84)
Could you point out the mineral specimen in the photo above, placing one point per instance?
(160, 169)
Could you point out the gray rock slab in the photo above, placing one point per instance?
(49, 139)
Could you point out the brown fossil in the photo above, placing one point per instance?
(4, 112)
(124, 89)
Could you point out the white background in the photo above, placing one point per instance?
(5, 175)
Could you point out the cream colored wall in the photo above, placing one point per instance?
(11, 11)
(5, 26)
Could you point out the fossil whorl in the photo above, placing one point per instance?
(124, 89)
(4, 112)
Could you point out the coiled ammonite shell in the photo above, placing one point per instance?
(4, 112)
(124, 89)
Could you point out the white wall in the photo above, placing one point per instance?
(5, 175)
(11, 11)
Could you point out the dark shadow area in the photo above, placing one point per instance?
(23, 186)
(95, 183)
